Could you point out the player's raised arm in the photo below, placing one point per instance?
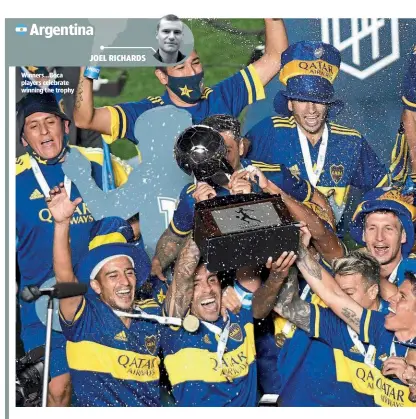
(290, 306)
(85, 115)
(264, 299)
(324, 285)
(276, 42)
(181, 290)
(62, 210)
(167, 250)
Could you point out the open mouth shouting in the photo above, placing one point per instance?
(209, 304)
(124, 294)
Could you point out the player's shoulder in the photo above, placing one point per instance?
(22, 164)
(151, 101)
(341, 130)
(188, 189)
(264, 167)
(149, 305)
(206, 93)
(275, 123)
(283, 122)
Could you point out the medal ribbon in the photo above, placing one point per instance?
(175, 321)
(369, 354)
(313, 175)
(40, 178)
(223, 333)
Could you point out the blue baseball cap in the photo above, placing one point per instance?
(112, 237)
(308, 71)
(385, 199)
(37, 102)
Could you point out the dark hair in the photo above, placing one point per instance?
(358, 262)
(410, 276)
(222, 123)
(171, 18)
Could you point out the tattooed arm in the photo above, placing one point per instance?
(328, 290)
(290, 306)
(264, 299)
(180, 292)
(167, 250)
(85, 115)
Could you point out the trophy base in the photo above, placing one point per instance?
(247, 249)
(243, 230)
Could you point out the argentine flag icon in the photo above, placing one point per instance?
(21, 29)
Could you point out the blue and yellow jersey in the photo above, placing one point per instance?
(387, 392)
(110, 364)
(281, 348)
(195, 373)
(350, 161)
(34, 222)
(230, 97)
(183, 217)
(350, 368)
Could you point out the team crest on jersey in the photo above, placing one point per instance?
(150, 343)
(336, 171)
(295, 170)
(236, 332)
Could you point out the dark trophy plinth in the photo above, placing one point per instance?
(242, 230)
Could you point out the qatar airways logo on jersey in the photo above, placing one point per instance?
(51, 31)
(81, 215)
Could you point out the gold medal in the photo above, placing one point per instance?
(190, 323)
(280, 339)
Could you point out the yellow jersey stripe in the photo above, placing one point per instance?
(408, 103)
(22, 164)
(115, 126)
(348, 133)
(366, 325)
(82, 356)
(284, 125)
(398, 156)
(191, 188)
(258, 85)
(77, 315)
(309, 195)
(153, 305)
(344, 130)
(194, 364)
(124, 119)
(248, 86)
(179, 232)
(317, 320)
(115, 237)
(383, 181)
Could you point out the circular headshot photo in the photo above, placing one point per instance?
(169, 35)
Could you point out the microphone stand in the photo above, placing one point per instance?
(47, 352)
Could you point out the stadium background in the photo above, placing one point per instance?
(372, 105)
